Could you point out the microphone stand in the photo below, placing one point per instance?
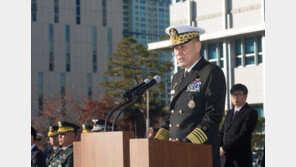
(109, 115)
(122, 111)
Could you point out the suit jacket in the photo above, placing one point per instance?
(52, 155)
(64, 159)
(37, 158)
(235, 136)
(197, 107)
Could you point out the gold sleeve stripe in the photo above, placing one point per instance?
(197, 137)
(193, 139)
(162, 134)
(202, 133)
(200, 138)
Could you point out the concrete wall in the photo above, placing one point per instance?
(251, 76)
(80, 45)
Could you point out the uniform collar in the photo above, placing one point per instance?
(33, 146)
(65, 148)
(193, 65)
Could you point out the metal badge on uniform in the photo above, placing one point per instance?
(191, 104)
(194, 86)
(175, 85)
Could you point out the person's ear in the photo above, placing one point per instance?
(197, 45)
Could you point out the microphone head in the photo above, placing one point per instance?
(147, 81)
(157, 78)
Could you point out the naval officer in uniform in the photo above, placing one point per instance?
(198, 93)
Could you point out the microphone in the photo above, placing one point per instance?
(128, 94)
(141, 90)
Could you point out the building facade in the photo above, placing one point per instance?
(71, 43)
(144, 20)
(234, 40)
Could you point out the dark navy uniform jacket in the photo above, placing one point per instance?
(197, 107)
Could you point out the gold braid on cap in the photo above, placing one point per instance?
(52, 132)
(179, 39)
(65, 129)
(85, 130)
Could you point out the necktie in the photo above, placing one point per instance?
(235, 112)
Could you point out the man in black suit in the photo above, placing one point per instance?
(236, 131)
(37, 157)
(198, 94)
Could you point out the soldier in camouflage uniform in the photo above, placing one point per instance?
(54, 141)
(67, 135)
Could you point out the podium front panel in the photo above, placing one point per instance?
(159, 153)
(105, 149)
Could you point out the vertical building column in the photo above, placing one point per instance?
(230, 68)
(263, 11)
(226, 70)
(263, 62)
(189, 13)
(224, 14)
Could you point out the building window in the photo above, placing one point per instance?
(94, 49)
(238, 53)
(110, 41)
(213, 53)
(259, 108)
(56, 11)
(89, 85)
(78, 12)
(51, 48)
(34, 10)
(142, 1)
(104, 14)
(248, 51)
(143, 25)
(68, 58)
(143, 19)
(62, 85)
(259, 46)
(212, 50)
(221, 56)
(40, 91)
(142, 13)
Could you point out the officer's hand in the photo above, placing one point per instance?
(222, 153)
